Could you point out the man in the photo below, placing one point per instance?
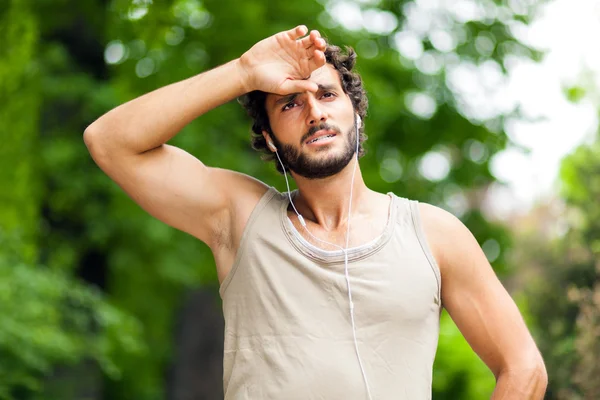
(333, 291)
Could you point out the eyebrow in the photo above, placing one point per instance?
(292, 96)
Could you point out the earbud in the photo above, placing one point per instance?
(271, 145)
(358, 121)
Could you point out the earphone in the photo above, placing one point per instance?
(344, 249)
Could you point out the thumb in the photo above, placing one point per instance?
(298, 86)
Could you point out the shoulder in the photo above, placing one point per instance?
(239, 182)
(244, 190)
(438, 218)
(449, 239)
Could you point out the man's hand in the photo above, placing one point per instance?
(281, 63)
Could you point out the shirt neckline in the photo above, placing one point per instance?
(335, 256)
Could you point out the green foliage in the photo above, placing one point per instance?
(19, 98)
(563, 279)
(580, 177)
(49, 318)
(459, 373)
(575, 93)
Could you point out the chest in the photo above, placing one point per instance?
(362, 231)
(280, 289)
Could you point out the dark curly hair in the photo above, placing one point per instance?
(254, 102)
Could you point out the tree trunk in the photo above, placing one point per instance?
(197, 369)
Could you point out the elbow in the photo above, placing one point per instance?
(538, 369)
(529, 379)
(539, 378)
(93, 131)
(87, 137)
(543, 376)
(91, 138)
(538, 381)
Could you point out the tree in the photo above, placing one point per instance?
(558, 252)
(580, 175)
(48, 318)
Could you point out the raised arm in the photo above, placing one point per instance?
(483, 310)
(128, 142)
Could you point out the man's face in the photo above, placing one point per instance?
(315, 133)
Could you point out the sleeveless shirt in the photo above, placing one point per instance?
(288, 332)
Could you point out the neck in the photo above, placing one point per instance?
(326, 201)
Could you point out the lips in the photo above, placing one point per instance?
(320, 134)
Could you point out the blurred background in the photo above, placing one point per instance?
(487, 108)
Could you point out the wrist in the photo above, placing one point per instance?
(243, 75)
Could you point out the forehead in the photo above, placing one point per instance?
(327, 75)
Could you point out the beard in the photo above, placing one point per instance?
(311, 167)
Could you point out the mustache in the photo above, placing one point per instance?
(323, 126)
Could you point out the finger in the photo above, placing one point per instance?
(314, 39)
(297, 32)
(317, 40)
(308, 50)
(305, 42)
(317, 60)
(298, 86)
(314, 35)
(320, 44)
(310, 46)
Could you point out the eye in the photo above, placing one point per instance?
(328, 95)
(288, 106)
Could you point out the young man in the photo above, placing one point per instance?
(333, 291)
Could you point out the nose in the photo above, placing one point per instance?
(316, 114)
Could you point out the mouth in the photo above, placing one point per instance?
(321, 136)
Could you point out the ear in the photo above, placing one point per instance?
(270, 143)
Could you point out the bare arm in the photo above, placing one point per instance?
(483, 310)
(128, 142)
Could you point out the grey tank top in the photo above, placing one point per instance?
(288, 333)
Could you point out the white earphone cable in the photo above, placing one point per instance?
(345, 250)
